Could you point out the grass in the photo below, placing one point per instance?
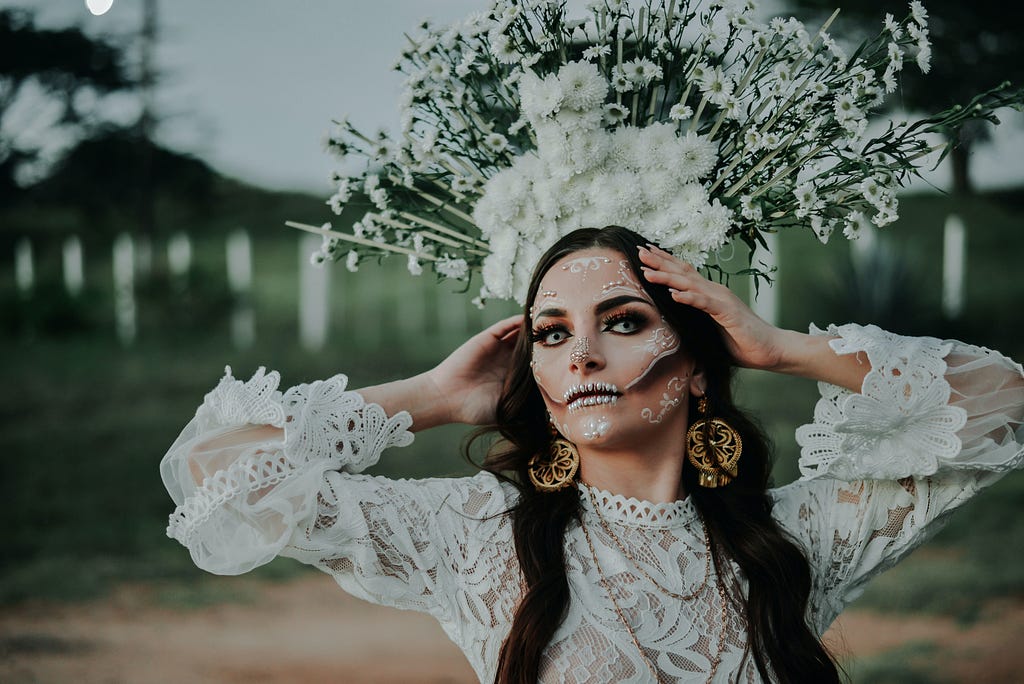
(85, 421)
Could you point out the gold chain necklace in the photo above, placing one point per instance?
(618, 542)
(715, 661)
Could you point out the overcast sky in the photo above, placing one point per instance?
(252, 85)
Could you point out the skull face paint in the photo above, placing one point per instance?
(602, 353)
(674, 393)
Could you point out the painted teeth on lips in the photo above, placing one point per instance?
(590, 394)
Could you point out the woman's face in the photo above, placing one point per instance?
(607, 364)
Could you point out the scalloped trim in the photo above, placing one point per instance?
(636, 512)
(901, 423)
(242, 477)
(323, 424)
(233, 402)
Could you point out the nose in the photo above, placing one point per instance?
(584, 357)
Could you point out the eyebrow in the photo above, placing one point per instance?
(599, 309)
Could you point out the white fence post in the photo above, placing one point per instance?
(74, 272)
(766, 303)
(24, 272)
(954, 266)
(314, 283)
(179, 259)
(243, 319)
(124, 288)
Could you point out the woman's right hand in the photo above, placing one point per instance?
(472, 378)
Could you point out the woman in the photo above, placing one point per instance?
(664, 557)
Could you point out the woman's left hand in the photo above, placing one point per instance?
(752, 342)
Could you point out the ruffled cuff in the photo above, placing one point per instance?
(261, 490)
(901, 424)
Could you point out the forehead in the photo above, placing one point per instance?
(587, 270)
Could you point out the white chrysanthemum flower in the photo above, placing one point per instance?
(845, 107)
(621, 81)
(770, 140)
(807, 199)
(717, 86)
(317, 258)
(749, 209)
(497, 266)
(413, 265)
(380, 199)
(539, 97)
(697, 156)
(496, 142)
(456, 269)
(502, 50)
(782, 73)
(893, 27)
(871, 191)
(336, 203)
(889, 80)
(855, 225)
(924, 57)
(752, 139)
(583, 86)
(595, 52)
(895, 55)
(352, 261)
(462, 185)
(919, 13)
(615, 114)
(437, 70)
(680, 112)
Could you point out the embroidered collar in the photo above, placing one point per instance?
(631, 511)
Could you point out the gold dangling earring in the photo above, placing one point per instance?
(716, 461)
(558, 470)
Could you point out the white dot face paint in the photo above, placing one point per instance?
(597, 391)
(595, 427)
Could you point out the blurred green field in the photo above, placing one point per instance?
(85, 422)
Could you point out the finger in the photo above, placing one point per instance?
(679, 281)
(666, 263)
(507, 328)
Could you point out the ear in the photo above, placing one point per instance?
(698, 382)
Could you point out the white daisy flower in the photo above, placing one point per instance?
(595, 52)
(496, 142)
(615, 114)
(680, 112)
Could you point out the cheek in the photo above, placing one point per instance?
(659, 344)
(672, 395)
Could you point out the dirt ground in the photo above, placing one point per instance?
(308, 631)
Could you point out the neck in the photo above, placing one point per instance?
(653, 474)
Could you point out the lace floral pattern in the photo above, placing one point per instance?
(901, 423)
(445, 547)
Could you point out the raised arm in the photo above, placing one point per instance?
(256, 472)
(753, 342)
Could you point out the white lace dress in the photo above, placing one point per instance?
(935, 423)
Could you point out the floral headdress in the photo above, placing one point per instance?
(691, 124)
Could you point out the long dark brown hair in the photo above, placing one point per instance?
(737, 516)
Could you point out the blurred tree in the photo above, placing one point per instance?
(975, 46)
(58, 75)
(100, 177)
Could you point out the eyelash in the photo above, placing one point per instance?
(539, 334)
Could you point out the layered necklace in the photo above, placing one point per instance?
(717, 658)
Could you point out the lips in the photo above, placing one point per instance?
(590, 394)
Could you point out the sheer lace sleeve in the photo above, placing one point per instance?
(242, 487)
(935, 422)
